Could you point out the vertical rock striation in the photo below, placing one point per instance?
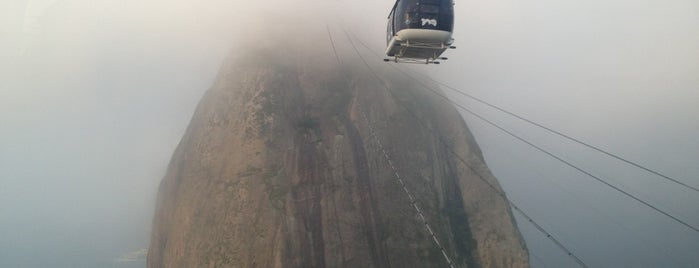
(278, 168)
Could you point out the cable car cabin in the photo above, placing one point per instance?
(419, 31)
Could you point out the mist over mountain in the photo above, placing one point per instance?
(293, 159)
(96, 95)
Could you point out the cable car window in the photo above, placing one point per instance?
(429, 9)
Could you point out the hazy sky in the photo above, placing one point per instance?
(95, 95)
(622, 75)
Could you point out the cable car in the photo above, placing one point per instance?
(419, 31)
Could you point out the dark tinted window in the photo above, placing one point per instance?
(409, 15)
(432, 9)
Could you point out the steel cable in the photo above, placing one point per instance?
(413, 202)
(597, 178)
(480, 176)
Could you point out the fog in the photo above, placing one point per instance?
(620, 75)
(95, 95)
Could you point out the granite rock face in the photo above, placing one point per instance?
(279, 168)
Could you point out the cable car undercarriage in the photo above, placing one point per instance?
(416, 51)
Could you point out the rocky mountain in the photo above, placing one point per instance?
(292, 160)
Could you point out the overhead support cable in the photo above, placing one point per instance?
(565, 136)
(332, 43)
(594, 208)
(413, 202)
(497, 190)
(579, 169)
